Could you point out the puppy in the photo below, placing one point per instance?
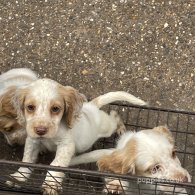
(10, 126)
(57, 119)
(148, 153)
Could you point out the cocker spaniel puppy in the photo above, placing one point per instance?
(10, 125)
(148, 153)
(59, 118)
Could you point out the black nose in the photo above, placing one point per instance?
(41, 130)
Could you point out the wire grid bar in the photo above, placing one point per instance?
(88, 181)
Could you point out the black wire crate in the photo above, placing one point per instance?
(85, 179)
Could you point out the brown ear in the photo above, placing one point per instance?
(18, 103)
(120, 161)
(165, 132)
(113, 163)
(6, 107)
(73, 104)
(8, 113)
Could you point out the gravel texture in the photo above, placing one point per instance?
(143, 47)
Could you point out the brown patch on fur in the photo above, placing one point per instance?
(73, 104)
(7, 123)
(120, 161)
(18, 103)
(166, 132)
(8, 114)
(6, 107)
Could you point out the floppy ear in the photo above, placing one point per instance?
(8, 113)
(6, 107)
(121, 161)
(73, 104)
(18, 103)
(165, 132)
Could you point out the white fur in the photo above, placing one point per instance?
(91, 125)
(16, 77)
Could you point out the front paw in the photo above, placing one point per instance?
(113, 187)
(15, 178)
(51, 188)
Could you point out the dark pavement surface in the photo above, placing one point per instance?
(143, 47)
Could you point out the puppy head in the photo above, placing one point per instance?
(149, 153)
(44, 104)
(160, 157)
(9, 125)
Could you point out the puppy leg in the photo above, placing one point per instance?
(53, 180)
(31, 151)
(90, 157)
(110, 124)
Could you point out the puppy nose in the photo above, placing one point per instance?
(41, 130)
(185, 179)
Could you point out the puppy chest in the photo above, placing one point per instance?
(49, 145)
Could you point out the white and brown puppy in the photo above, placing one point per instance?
(148, 153)
(10, 126)
(57, 119)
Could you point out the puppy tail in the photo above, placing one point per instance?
(26, 72)
(90, 157)
(117, 96)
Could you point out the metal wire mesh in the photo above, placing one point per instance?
(86, 180)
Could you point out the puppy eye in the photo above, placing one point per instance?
(9, 129)
(31, 108)
(55, 109)
(155, 169)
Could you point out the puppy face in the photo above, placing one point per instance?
(15, 135)
(9, 125)
(149, 153)
(158, 158)
(44, 103)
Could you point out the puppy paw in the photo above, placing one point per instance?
(120, 125)
(113, 187)
(12, 184)
(51, 188)
(121, 129)
(14, 178)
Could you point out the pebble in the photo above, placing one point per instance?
(166, 25)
